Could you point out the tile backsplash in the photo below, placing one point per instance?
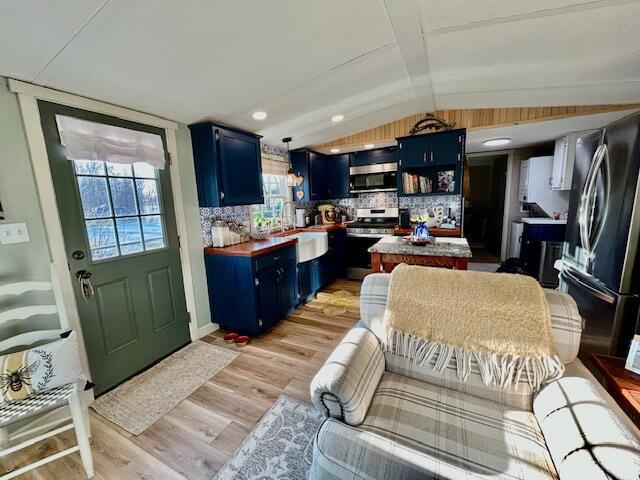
(364, 200)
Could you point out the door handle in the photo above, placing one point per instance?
(86, 288)
(594, 291)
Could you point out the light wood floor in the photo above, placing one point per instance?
(196, 438)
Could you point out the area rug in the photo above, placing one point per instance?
(336, 304)
(280, 447)
(140, 402)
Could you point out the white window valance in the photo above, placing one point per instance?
(274, 164)
(85, 140)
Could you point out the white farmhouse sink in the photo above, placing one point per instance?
(311, 245)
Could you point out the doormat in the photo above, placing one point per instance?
(281, 445)
(336, 304)
(141, 401)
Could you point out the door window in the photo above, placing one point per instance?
(121, 208)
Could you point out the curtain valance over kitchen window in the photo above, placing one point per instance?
(274, 164)
(85, 140)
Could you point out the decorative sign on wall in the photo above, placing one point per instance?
(300, 194)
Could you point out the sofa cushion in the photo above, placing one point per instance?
(343, 387)
(566, 325)
(586, 433)
(414, 429)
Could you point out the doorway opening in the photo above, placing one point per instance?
(484, 200)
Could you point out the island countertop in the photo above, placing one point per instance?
(443, 247)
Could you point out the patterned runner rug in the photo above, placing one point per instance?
(146, 398)
(280, 446)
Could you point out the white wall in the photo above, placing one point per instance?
(194, 229)
(23, 261)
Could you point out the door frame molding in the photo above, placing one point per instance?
(28, 96)
(511, 171)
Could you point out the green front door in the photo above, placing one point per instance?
(121, 241)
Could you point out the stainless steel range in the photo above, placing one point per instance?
(371, 225)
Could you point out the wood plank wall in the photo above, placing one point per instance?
(473, 119)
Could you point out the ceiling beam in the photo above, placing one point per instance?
(404, 18)
(471, 119)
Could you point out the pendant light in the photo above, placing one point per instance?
(291, 175)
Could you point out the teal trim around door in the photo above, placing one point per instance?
(122, 247)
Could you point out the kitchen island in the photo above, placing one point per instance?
(444, 252)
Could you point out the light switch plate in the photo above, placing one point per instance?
(13, 233)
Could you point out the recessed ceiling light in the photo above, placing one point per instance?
(335, 150)
(259, 115)
(369, 145)
(496, 142)
(337, 118)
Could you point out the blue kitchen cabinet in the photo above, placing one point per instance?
(304, 281)
(313, 167)
(337, 254)
(531, 243)
(413, 151)
(447, 148)
(429, 154)
(250, 294)
(338, 168)
(319, 176)
(228, 165)
(300, 164)
(374, 156)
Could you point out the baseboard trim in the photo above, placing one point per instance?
(207, 329)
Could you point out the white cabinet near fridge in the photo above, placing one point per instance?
(564, 156)
(535, 185)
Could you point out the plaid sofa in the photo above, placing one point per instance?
(387, 418)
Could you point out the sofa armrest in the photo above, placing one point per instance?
(345, 384)
(587, 434)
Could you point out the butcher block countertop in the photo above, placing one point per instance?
(253, 248)
(278, 240)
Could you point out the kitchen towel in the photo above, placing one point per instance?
(499, 320)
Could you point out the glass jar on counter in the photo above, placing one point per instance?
(218, 234)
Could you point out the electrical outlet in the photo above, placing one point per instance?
(13, 233)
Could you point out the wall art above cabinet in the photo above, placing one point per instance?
(228, 165)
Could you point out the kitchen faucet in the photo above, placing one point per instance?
(282, 214)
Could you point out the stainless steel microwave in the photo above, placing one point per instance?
(373, 178)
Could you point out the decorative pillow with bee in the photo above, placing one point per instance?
(39, 369)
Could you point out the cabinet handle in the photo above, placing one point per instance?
(221, 195)
(275, 259)
(259, 322)
(400, 162)
(424, 157)
(400, 146)
(431, 157)
(257, 282)
(458, 157)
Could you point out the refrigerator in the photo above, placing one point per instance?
(599, 266)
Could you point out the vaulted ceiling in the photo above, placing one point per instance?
(303, 61)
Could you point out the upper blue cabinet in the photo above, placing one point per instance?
(228, 165)
(431, 163)
(324, 176)
(338, 166)
(374, 156)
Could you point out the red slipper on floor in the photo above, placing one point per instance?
(230, 337)
(241, 341)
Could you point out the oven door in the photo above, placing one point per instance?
(373, 178)
(358, 258)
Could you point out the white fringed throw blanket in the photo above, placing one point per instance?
(500, 320)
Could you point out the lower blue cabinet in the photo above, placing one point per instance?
(250, 294)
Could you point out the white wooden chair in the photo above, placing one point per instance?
(32, 414)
